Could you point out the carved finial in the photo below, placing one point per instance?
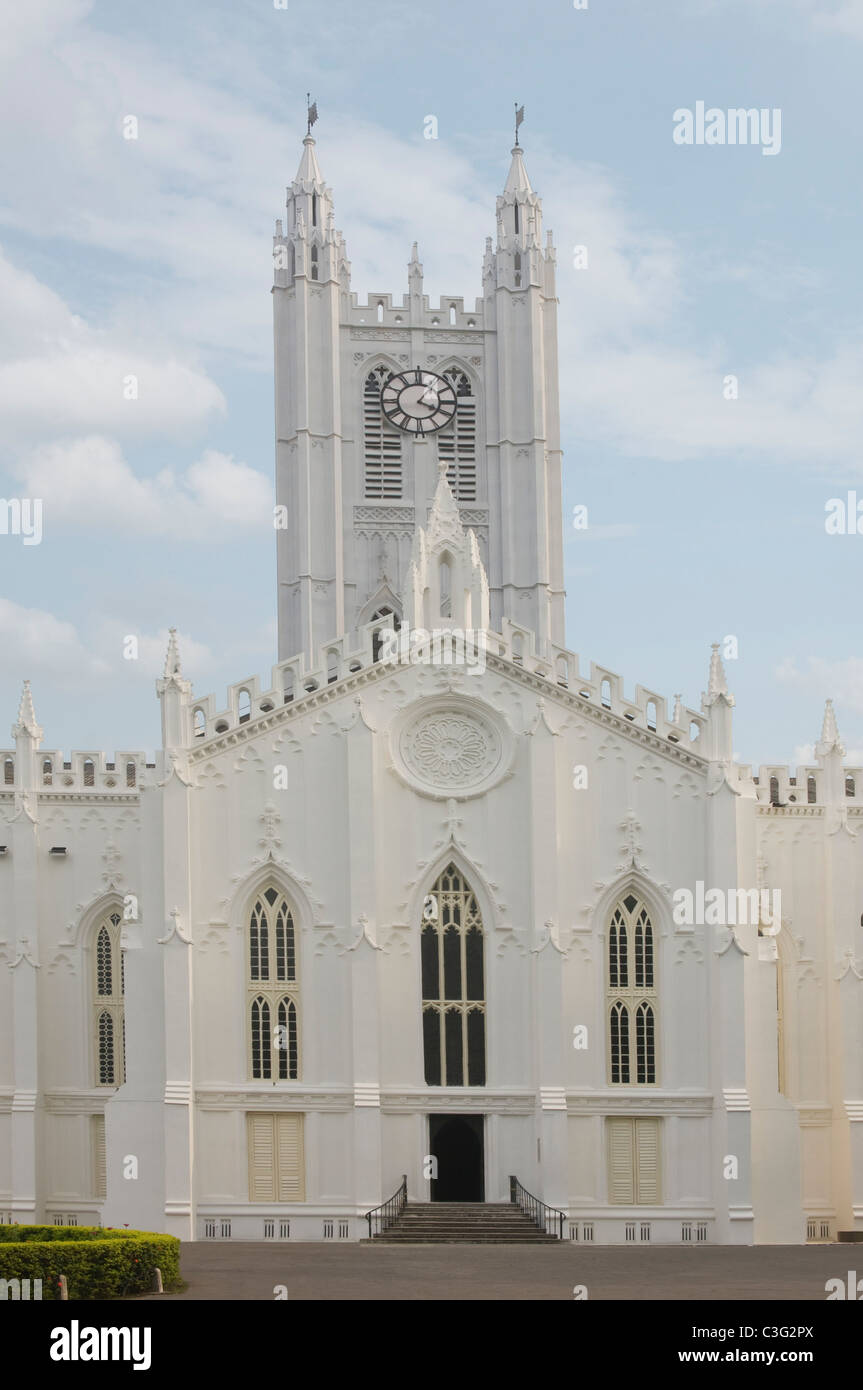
(172, 656)
(830, 740)
(26, 716)
(678, 709)
(717, 684)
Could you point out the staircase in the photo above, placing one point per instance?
(462, 1223)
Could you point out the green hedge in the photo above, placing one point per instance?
(97, 1263)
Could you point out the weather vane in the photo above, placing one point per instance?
(519, 117)
(311, 112)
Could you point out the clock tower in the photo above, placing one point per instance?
(374, 401)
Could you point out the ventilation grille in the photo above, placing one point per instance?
(582, 1232)
(457, 447)
(383, 445)
(817, 1228)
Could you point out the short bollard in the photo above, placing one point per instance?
(157, 1273)
(64, 1289)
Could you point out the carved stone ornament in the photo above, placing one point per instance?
(451, 746)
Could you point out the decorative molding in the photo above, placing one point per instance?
(451, 746)
(813, 1116)
(552, 1097)
(644, 1102)
(736, 1098)
(367, 1093)
(304, 1098)
(88, 1102)
(25, 954)
(849, 962)
(388, 515)
(174, 930)
(366, 934)
(178, 1093)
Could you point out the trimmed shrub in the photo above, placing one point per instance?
(97, 1263)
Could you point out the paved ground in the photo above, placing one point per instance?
(237, 1270)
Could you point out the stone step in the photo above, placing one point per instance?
(391, 1239)
(463, 1223)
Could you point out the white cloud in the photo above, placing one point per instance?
(60, 375)
(184, 213)
(39, 645)
(841, 681)
(88, 483)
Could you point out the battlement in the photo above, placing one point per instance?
(84, 771)
(380, 310)
(776, 786)
(295, 680)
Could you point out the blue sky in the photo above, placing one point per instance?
(152, 257)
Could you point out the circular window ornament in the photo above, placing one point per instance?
(451, 747)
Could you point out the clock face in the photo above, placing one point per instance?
(418, 402)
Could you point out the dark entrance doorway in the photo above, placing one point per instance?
(456, 1141)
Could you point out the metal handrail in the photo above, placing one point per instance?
(389, 1211)
(540, 1213)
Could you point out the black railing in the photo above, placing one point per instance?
(382, 1217)
(542, 1215)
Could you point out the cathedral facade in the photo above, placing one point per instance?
(433, 900)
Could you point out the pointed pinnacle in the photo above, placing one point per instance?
(517, 180)
(172, 656)
(717, 684)
(309, 170)
(26, 722)
(829, 739)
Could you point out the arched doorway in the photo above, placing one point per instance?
(456, 1142)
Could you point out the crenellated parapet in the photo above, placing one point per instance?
(83, 771)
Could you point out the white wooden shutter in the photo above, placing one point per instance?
(647, 1162)
(291, 1167)
(97, 1127)
(621, 1162)
(262, 1153)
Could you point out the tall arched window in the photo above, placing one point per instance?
(108, 1009)
(382, 442)
(453, 984)
(457, 441)
(631, 995)
(272, 989)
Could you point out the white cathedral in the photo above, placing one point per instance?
(408, 907)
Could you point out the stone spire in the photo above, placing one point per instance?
(517, 180)
(174, 693)
(519, 220)
(172, 656)
(417, 299)
(26, 724)
(309, 170)
(307, 243)
(717, 704)
(830, 741)
(717, 682)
